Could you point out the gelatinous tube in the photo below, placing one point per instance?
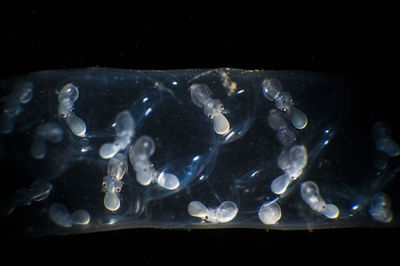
(67, 97)
(270, 213)
(309, 192)
(201, 96)
(139, 155)
(379, 209)
(125, 130)
(224, 213)
(292, 161)
(248, 170)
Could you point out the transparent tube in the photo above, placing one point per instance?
(223, 148)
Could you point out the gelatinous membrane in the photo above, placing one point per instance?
(207, 148)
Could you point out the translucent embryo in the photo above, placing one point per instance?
(103, 149)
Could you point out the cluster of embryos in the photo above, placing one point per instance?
(112, 183)
(139, 155)
(148, 155)
(67, 97)
(213, 108)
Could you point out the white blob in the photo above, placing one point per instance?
(77, 125)
(331, 211)
(117, 166)
(197, 209)
(6, 123)
(59, 215)
(168, 181)
(226, 212)
(270, 213)
(50, 131)
(80, 217)
(108, 150)
(280, 184)
(144, 177)
(38, 148)
(271, 88)
(111, 201)
(298, 118)
(221, 124)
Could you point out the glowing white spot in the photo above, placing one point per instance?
(202, 177)
(148, 111)
(174, 83)
(326, 142)
(145, 99)
(255, 173)
(240, 92)
(196, 158)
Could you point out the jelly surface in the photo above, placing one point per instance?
(104, 149)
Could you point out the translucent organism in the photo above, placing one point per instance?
(292, 161)
(46, 132)
(383, 140)
(139, 155)
(60, 216)
(67, 97)
(39, 190)
(213, 108)
(284, 133)
(272, 90)
(224, 213)
(112, 184)
(181, 176)
(270, 213)
(125, 130)
(12, 105)
(379, 208)
(310, 194)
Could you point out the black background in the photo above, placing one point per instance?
(367, 55)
